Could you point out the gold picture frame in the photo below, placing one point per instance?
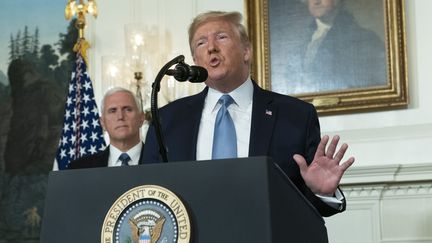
(391, 93)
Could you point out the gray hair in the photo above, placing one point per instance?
(114, 90)
(234, 18)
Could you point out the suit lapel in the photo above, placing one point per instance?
(264, 113)
(141, 158)
(192, 116)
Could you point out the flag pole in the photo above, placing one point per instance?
(82, 132)
(80, 9)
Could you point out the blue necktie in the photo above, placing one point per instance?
(224, 137)
(124, 158)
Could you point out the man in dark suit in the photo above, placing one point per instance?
(122, 119)
(265, 123)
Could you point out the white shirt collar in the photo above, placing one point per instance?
(242, 96)
(134, 153)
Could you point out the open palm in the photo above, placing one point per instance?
(323, 175)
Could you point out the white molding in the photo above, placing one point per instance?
(421, 189)
(360, 193)
(410, 240)
(387, 174)
(370, 174)
(404, 191)
(415, 172)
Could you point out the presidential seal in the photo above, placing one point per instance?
(147, 214)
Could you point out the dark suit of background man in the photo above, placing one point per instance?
(122, 119)
(266, 123)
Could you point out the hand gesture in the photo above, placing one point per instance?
(323, 175)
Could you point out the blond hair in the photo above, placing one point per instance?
(234, 18)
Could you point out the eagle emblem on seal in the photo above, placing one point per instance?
(146, 226)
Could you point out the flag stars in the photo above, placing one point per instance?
(62, 153)
(95, 123)
(86, 111)
(102, 148)
(72, 139)
(87, 85)
(74, 112)
(86, 98)
(67, 114)
(83, 138)
(74, 126)
(92, 149)
(69, 101)
(95, 111)
(82, 152)
(64, 140)
(84, 124)
(94, 136)
(65, 128)
(72, 152)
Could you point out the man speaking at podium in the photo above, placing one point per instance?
(233, 117)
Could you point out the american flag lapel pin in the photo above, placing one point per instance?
(268, 112)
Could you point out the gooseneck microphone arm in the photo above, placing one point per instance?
(182, 72)
(154, 105)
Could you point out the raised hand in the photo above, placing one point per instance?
(323, 175)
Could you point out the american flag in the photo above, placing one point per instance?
(82, 133)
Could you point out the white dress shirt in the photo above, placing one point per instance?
(114, 154)
(241, 113)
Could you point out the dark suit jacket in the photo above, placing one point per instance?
(97, 160)
(281, 127)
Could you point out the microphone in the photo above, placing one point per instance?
(183, 72)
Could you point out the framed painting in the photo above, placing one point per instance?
(343, 56)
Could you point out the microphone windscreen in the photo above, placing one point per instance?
(198, 74)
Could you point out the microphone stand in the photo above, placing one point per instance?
(154, 105)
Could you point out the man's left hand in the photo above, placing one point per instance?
(323, 175)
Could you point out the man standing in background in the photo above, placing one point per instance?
(122, 119)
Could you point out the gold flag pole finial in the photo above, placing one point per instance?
(79, 9)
